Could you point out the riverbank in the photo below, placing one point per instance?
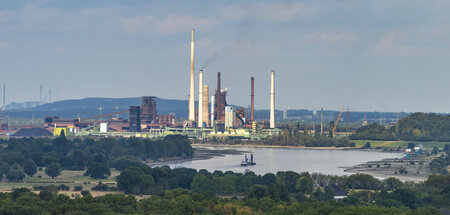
(414, 169)
(270, 146)
(199, 154)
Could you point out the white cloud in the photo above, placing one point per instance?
(391, 44)
(171, 24)
(333, 36)
(35, 5)
(272, 11)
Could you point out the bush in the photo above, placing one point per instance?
(85, 192)
(403, 170)
(63, 187)
(103, 187)
(53, 170)
(366, 146)
(98, 171)
(77, 188)
(15, 175)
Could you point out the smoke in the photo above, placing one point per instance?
(218, 54)
(243, 39)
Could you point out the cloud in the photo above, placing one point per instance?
(390, 44)
(272, 11)
(35, 5)
(333, 36)
(413, 42)
(171, 24)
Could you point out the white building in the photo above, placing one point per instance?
(229, 116)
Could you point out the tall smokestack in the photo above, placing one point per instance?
(40, 97)
(218, 99)
(200, 99)
(252, 95)
(192, 92)
(205, 105)
(212, 110)
(272, 99)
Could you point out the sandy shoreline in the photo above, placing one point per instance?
(272, 146)
(199, 154)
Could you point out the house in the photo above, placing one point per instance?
(339, 193)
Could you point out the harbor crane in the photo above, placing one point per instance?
(337, 121)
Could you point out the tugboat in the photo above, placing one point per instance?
(246, 162)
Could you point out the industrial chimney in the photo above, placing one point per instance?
(272, 99)
(212, 110)
(218, 99)
(252, 95)
(205, 105)
(192, 92)
(200, 99)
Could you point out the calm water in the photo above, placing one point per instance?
(281, 159)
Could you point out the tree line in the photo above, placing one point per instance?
(415, 127)
(288, 186)
(182, 202)
(281, 193)
(96, 156)
(292, 136)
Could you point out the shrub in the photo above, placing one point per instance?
(85, 192)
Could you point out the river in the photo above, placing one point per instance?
(283, 159)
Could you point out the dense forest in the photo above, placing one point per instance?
(24, 156)
(188, 191)
(283, 193)
(415, 127)
(288, 186)
(293, 137)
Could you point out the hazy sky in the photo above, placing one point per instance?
(368, 55)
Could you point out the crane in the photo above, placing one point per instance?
(337, 121)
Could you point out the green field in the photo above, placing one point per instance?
(69, 178)
(403, 144)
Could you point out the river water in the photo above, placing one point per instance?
(283, 159)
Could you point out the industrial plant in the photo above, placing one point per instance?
(212, 118)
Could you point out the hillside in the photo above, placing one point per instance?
(415, 127)
(90, 107)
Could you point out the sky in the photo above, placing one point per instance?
(379, 55)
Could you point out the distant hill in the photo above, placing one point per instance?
(88, 107)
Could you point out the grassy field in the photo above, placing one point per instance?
(403, 144)
(69, 178)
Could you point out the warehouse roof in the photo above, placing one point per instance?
(32, 132)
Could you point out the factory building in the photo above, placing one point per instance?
(135, 119)
(148, 109)
(229, 117)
